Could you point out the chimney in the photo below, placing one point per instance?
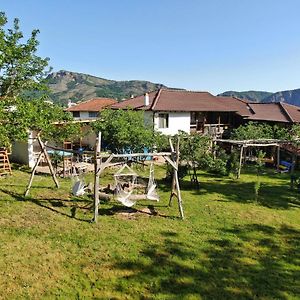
(146, 99)
(69, 103)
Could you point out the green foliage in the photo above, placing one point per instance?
(232, 166)
(254, 131)
(197, 150)
(295, 133)
(260, 161)
(125, 130)
(22, 73)
(19, 116)
(218, 164)
(182, 172)
(20, 68)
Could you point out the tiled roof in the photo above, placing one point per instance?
(238, 105)
(188, 101)
(268, 112)
(180, 100)
(292, 111)
(136, 102)
(95, 104)
(177, 100)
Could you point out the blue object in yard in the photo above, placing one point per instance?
(285, 166)
(146, 150)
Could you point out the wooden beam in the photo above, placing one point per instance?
(136, 154)
(179, 199)
(106, 164)
(44, 150)
(96, 176)
(278, 157)
(240, 164)
(171, 162)
(33, 171)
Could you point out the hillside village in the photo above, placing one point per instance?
(114, 189)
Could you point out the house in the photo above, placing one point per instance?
(83, 112)
(90, 109)
(178, 110)
(172, 110)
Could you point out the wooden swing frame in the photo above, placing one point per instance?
(101, 162)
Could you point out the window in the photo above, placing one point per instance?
(93, 114)
(163, 120)
(76, 114)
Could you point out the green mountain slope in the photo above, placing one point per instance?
(65, 85)
(256, 96)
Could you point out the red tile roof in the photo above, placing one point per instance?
(188, 101)
(136, 102)
(238, 105)
(268, 112)
(95, 104)
(177, 100)
(292, 111)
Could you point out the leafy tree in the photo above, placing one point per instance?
(125, 130)
(20, 68)
(21, 72)
(254, 131)
(37, 115)
(197, 151)
(294, 133)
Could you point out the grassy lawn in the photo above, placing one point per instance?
(232, 245)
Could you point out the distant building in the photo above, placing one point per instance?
(90, 109)
(171, 111)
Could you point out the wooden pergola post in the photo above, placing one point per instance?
(241, 160)
(278, 157)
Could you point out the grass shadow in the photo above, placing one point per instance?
(227, 268)
(51, 204)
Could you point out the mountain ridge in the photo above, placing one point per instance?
(256, 96)
(67, 85)
(287, 96)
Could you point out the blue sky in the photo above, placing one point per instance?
(212, 45)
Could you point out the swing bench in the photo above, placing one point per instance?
(126, 185)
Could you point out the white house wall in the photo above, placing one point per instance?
(23, 152)
(84, 115)
(178, 121)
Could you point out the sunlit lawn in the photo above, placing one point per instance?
(232, 244)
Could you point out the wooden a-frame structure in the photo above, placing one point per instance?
(42, 153)
(100, 165)
(104, 161)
